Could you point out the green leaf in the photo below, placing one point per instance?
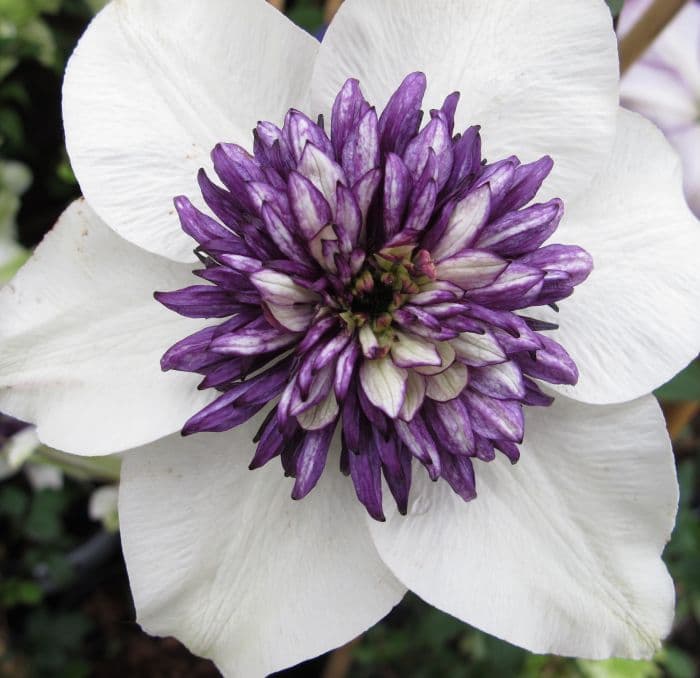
(615, 6)
(678, 664)
(13, 502)
(307, 14)
(683, 387)
(19, 592)
(619, 668)
(44, 519)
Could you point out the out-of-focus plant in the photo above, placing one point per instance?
(15, 179)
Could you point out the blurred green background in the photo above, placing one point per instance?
(65, 611)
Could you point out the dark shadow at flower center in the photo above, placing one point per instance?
(373, 303)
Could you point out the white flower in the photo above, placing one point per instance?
(102, 507)
(560, 553)
(664, 86)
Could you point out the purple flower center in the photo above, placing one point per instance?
(369, 283)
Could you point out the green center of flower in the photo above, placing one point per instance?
(387, 281)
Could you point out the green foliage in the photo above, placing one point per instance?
(308, 14)
(37, 535)
(619, 668)
(615, 6)
(54, 642)
(13, 503)
(684, 386)
(43, 523)
(15, 591)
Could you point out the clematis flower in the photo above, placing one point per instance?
(380, 297)
(664, 86)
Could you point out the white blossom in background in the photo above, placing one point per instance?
(664, 86)
(102, 507)
(557, 553)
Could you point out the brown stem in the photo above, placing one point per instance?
(331, 7)
(679, 415)
(339, 662)
(645, 31)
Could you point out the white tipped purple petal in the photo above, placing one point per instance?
(416, 436)
(361, 149)
(503, 381)
(397, 188)
(310, 208)
(550, 363)
(451, 423)
(300, 130)
(253, 341)
(401, 118)
(348, 108)
(523, 231)
(494, 418)
(574, 261)
(345, 369)
(517, 287)
(349, 214)
(434, 136)
(311, 461)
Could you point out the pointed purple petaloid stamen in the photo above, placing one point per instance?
(367, 283)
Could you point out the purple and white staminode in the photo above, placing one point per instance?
(371, 280)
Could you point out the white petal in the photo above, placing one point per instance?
(292, 318)
(81, 340)
(415, 393)
(151, 88)
(539, 76)
(320, 415)
(103, 502)
(633, 324)
(468, 217)
(279, 288)
(447, 357)
(224, 560)
(448, 384)
(561, 552)
(323, 173)
(478, 349)
(409, 350)
(384, 384)
(473, 269)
